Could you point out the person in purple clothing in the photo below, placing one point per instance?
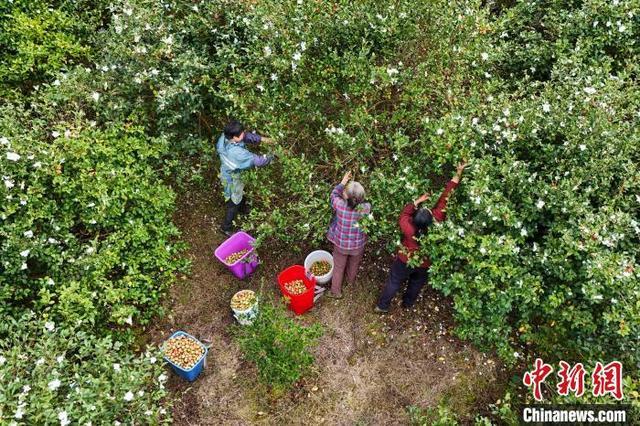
(234, 158)
(347, 201)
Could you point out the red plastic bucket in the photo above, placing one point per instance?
(299, 303)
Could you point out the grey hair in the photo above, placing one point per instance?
(355, 194)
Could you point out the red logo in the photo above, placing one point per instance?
(571, 379)
(608, 380)
(536, 377)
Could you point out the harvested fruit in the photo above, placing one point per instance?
(320, 268)
(234, 257)
(183, 351)
(243, 300)
(295, 287)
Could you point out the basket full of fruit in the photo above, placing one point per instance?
(244, 305)
(319, 263)
(186, 354)
(298, 288)
(238, 254)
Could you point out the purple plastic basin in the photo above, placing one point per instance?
(248, 263)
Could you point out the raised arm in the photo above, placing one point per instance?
(336, 193)
(439, 209)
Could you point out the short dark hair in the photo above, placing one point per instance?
(233, 128)
(422, 219)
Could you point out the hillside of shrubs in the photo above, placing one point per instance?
(107, 108)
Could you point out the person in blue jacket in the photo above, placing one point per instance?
(234, 158)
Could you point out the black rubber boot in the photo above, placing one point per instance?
(244, 207)
(230, 215)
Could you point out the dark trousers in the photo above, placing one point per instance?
(399, 273)
(232, 210)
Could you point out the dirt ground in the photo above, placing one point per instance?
(369, 368)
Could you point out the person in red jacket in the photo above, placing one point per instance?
(414, 222)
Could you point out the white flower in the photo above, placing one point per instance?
(90, 250)
(26, 389)
(267, 51)
(483, 250)
(162, 378)
(392, 71)
(50, 326)
(516, 355)
(95, 96)
(116, 367)
(439, 131)
(303, 46)
(19, 412)
(152, 360)
(128, 396)
(54, 384)
(260, 87)
(60, 358)
(28, 233)
(293, 66)
(546, 107)
(484, 56)
(148, 413)
(2, 360)
(297, 56)
(129, 320)
(25, 253)
(140, 393)
(40, 361)
(274, 77)
(63, 417)
(128, 11)
(9, 183)
(589, 90)
(524, 232)
(13, 156)
(168, 40)
(582, 147)
(55, 134)
(23, 266)
(540, 204)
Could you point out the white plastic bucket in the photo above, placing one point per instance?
(246, 316)
(315, 256)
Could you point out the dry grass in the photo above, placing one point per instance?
(369, 368)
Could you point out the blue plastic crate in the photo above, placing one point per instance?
(195, 371)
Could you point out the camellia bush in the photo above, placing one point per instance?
(67, 375)
(86, 225)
